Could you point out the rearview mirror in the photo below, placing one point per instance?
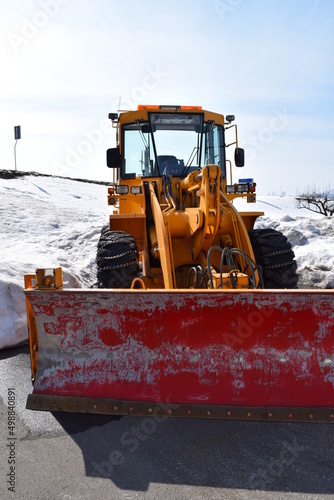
(145, 128)
(239, 157)
(114, 158)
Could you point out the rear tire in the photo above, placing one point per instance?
(116, 259)
(274, 254)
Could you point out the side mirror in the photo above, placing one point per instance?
(239, 157)
(146, 129)
(114, 158)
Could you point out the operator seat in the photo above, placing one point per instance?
(171, 165)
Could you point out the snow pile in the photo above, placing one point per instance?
(313, 244)
(45, 222)
(48, 221)
(311, 236)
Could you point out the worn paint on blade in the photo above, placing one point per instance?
(234, 348)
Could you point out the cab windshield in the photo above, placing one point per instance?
(171, 144)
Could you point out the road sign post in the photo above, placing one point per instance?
(17, 136)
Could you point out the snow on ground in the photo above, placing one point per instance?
(311, 236)
(45, 222)
(48, 221)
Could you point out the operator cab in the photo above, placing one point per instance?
(170, 143)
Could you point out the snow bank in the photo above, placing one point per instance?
(49, 221)
(311, 236)
(45, 222)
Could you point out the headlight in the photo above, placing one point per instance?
(122, 189)
(242, 188)
(230, 189)
(135, 189)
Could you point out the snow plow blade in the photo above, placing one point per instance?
(240, 354)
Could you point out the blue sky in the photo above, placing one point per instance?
(67, 63)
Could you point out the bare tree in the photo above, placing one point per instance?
(319, 201)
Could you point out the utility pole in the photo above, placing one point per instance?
(17, 136)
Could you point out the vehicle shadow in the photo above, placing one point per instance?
(11, 352)
(134, 452)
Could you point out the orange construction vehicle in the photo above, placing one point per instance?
(196, 313)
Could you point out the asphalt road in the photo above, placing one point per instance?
(47, 456)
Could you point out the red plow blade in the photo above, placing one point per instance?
(260, 354)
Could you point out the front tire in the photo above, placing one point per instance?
(116, 259)
(274, 254)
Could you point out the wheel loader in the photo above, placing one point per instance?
(195, 312)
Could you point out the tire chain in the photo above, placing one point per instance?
(117, 256)
(283, 264)
(278, 252)
(102, 245)
(118, 266)
(114, 247)
(266, 235)
(264, 242)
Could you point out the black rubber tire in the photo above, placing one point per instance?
(116, 259)
(274, 254)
